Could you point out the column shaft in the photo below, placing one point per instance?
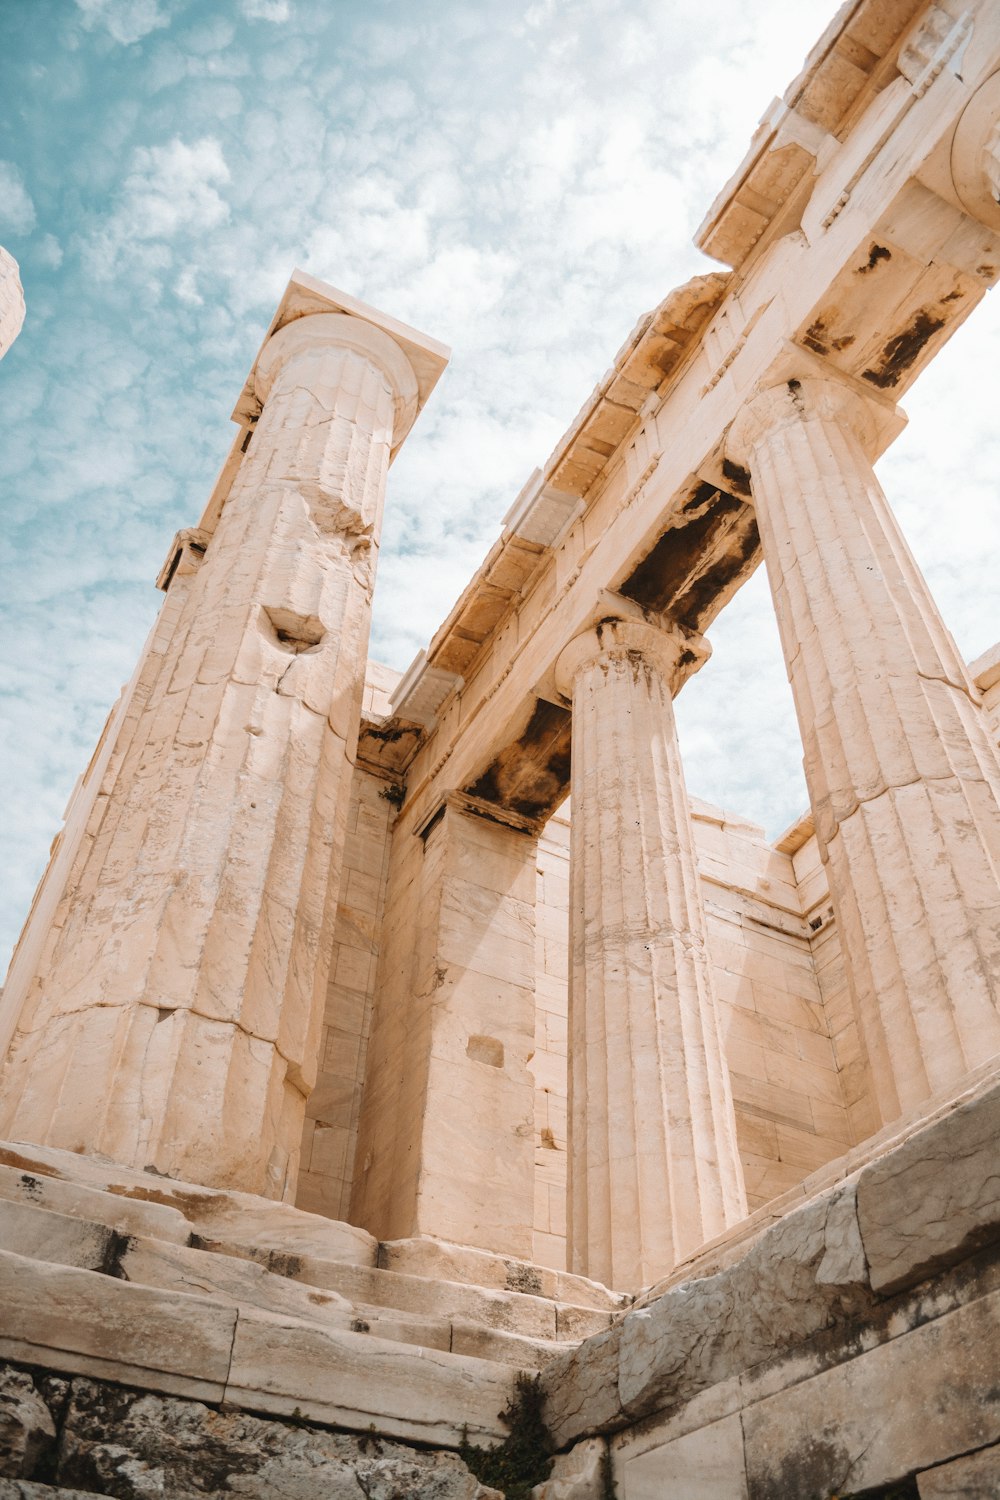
(654, 1170)
(173, 1018)
(902, 777)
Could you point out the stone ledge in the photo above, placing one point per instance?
(84, 1437)
(823, 1271)
(80, 1322)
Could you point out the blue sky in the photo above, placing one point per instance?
(522, 182)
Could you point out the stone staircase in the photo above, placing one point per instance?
(237, 1300)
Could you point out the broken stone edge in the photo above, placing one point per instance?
(795, 1301)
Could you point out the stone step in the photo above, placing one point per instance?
(427, 1279)
(512, 1312)
(40, 1234)
(82, 1322)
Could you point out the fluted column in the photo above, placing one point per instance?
(173, 1017)
(902, 777)
(653, 1164)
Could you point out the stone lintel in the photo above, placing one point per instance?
(476, 807)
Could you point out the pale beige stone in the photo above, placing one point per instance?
(903, 780)
(446, 1134)
(653, 1165)
(576, 1475)
(60, 1318)
(837, 1433)
(351, 1379)
(703, 1465)
(176, 1014)
(933, 1199)
(976, 1477)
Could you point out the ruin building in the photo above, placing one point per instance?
(374, 1038)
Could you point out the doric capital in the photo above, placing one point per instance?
(975, 155)
(792, 402)
(676, 652)
(321, 332)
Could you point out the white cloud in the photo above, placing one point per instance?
(266, 10)
(49, 252)
(169, 190)
(127, 21)
(17, 212)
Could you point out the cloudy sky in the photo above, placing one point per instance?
(520, 180)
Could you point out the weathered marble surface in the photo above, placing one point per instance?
(820, 1272)
(653, 1164)
(88, 1437)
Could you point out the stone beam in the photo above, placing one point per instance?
(881, 264)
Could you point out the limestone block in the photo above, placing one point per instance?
(576, 1475)
(125, 1215)
(228, 1280)
(504, 1348)
(26, 1426)
(806, 1273)
(581, 1389)
(439, 1259)
(143, 1204)
(976, 1477)
(41, 1235)
(933, 1199)
(348, 1379)
(243, 1219)
(838, 1433)
(706, 1464)
(65, 1319)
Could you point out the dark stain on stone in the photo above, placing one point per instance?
(117, 1247)
(903, 350)
(703, 494)
(32, 1186)
(523, 1278)
(531, 775)
(877, 253)
(739, 478)
(817, 338)
(814, 337)
(669, 580)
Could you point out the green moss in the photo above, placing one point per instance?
(524, 1458)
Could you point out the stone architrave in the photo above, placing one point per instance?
(654, 1170)
(446, 1136)
(903, 780)
(172, 1021)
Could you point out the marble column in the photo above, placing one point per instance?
(173, 1016)
(902, 777)
(653, 1165)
